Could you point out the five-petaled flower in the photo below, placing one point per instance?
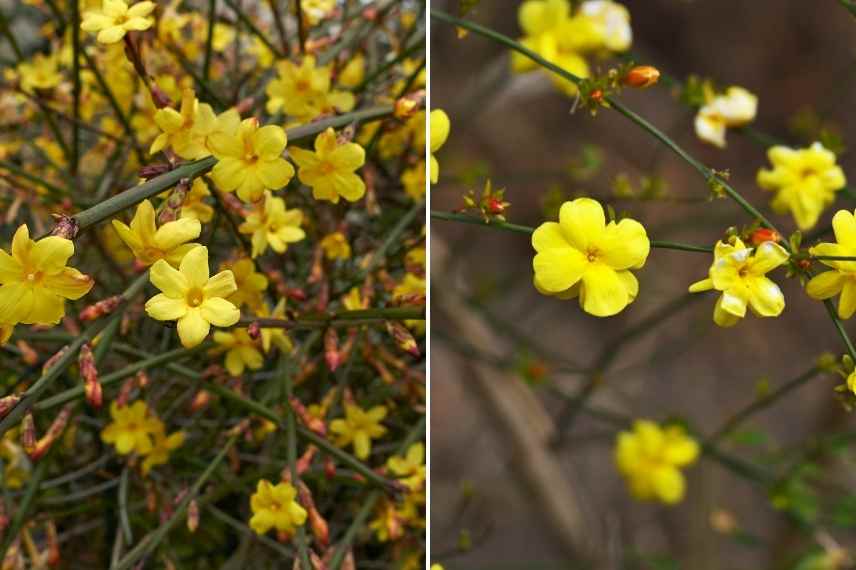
(271, 224)
(35, 282)
(805, 181)
(185, 131)
(358, 428)
(275, 506)
(151, 243)
(241, 351)
(190, 297)
(330, 170)
(583, 256)
(132, 428)
(250, 159)
(741, 275)
(842, 279)
(650, 457)
(115, 19)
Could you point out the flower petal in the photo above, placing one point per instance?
(765, 297)
(169, 280)
(558, 269)
(625, 245)
(219, 312)
(603, 294)
(269, 141)
(69, 283)
(221, 285)
(825, 285)
(275, 173)
(50, 254)
(549, 236)
(194, 266)
(163, 308)
(582, 221)
(175, 233)
(192, 328)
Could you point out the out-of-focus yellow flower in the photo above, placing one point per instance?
(352, 301)
(612, 22)
(132, 428)
(274, 336)
(330, 170)
(264, 56)
(275, 506)
(735, 108)
(583, 256)
(191, 298)
(851, 382)
(251, 284)
(272, 224)
(354, 72)
(440, 126)
(336, 246)
(358, 428)
(413, 179)
(224, 35)
(842, 279)
(410, 285)
(186, 132)
(194, 207)
(250, 160)
(741, 276)
(303, 92)
(316, 10)
(150, 243)
(241, 351)
(805, 181)
(410, 468)
(416, 256)
(115, 19)
(35, 282)
(41, 72)
(16, 464)
(650, 458)
(163, 445)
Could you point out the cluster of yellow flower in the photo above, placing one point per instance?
(136, 429)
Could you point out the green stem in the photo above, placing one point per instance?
(343, 318)
(209, 40)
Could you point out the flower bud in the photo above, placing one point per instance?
(100, 309)
(65, 227)
(89, 373)
(402, 337)
(761, 235)
(642, 76)
(28, 354)
(7, 403)
(192, 516)
(331, 349)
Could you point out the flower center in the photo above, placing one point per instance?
(34, 277)
(195, 297)
(302, 85)
(592, 254)
(327, 167)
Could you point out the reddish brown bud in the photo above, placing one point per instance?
(305, 460)
(331, 349)
(142, 379)
(495, 206)
(7, 403)
(329, 467)
(200, 401)
(150, 171)
(49, 363)
(65, 227)
(315, 424)
(316, 522)
(28, 433)
(761, 235)
(642, 76)
(28, 354)
(245, 105)
(54, 431)
(89, 373)
(193, 516)
(402, 337)
(100, 309)
(596, 95)
(159, 98)
(53, 544)
(254, 330)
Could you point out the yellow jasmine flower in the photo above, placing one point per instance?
(336, 246)
(851, 382)
(737, 107)
(805, 181)
(439, 133)
(35, 282)
(264, 56)
(224, 35)
(410, 285)
(115, 19)
(330, 169)
(296, 91)
(191, 298)
(612, 22)
(250, 160)
(16, 464)
(186, 132)
(650, 457)
(436, 567)
(251, 284)
(194, 207)
(276, 507)
(241, 351)
(537, 19)
(388, 523)
(741, 276)
(272, 224)
(583, 256)
(316, 10)
(413, 179)
(842, 280)
(132, 428)
(273, 335)
(162, 447)
(358, 428)
(416, 256)
(42, 72)
(353, 302)
(354, 72)
(410, 469)
(151, 243)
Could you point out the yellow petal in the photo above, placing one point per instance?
(844, 225)
(50, 254)
(699, 286)
(141, 9)
(163, 308)
(723, 318)
(734, 302)
(169, 280)
(847, 302)
(269, 141)
(10, 270)
(275, 173)
(194, 267)
(549, 236)
(440, 125)
(16, 302)
(221, 285)
(175, 233)
(21, 244)
(349, 156)
(47, 308)
(69, 283)
(143, 223)
(219, 312)
(668, 484)
(111, 35)
(192, 328)
(558, 269)
(138, 24)
(603, 294)
(625, 245)
(825, 285)
(228, 174)
(768, 256)
(582, 221)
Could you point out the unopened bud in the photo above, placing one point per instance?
(89, 373)
(305, 460)
(329, 467)
(761, 235)
(254, 330)
(28, 354)
(331, 349)
(642, 76)
(28, 433)
(315, 424)
(100, 309)
(402, 337)
(193, 516)
(54, 431)
(316, 522)
(49, 363)
(7, 403)
(65, 227)
(53, 544)
(200, 401)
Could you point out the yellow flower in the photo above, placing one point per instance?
(352, 301)
(410, 469)
(737, 107)
(272, 224)
(650, 457)
(273, 335)
(276, 507)
(842, 280)
(303, 92)
(851, 382)
(250, 160)
(316, 10)
(115, 19)
(439, 133)
(16, 464)
(336, 246)
(410, 285)
(186, 131)
(191, 298)
(194, 208)
(805, 181)
(132, 428)
(251, 284)
(358, 428)
(330, 169)
(241, 351)
(611, 21)
(741, 276)
(583, 255)
(162, 447)
(416, 256)
(150, 243)
(35, 282)
(413, 179)
(42, 72)
(353, 72)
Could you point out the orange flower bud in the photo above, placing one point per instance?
(642, 76)
(193, 516)
(92, 388)
(402, 337)
(100, 309)
(331, 349)
(28, 354)
(761, 235)
(7, 403)
(305, 460)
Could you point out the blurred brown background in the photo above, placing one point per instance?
(793, 54)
